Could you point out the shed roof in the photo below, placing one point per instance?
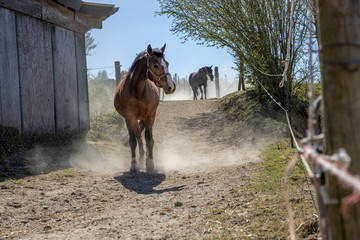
(93, 10)
(75, 15)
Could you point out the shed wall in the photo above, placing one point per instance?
(67, 107)
(84, 121)
(36, 78)
(10, 114)
(43, 83)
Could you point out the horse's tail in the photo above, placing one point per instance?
(191, 78)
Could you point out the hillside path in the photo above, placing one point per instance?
(203, 160)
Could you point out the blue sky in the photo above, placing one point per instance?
(134, 26)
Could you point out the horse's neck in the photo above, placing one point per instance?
(138, 78)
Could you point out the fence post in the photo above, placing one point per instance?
(117, 72)
(217, 82)
(341, 102)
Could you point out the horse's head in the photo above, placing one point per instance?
(157, 66)
(209, 73)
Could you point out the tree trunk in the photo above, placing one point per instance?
(339, 22)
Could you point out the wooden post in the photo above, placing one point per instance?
(340, 70)
(117, 72)
(217, 82)
(175, 79)
(241, 85)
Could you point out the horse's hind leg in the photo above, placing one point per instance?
(195, 92)
(141, 145)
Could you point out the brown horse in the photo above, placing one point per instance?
(199, 79)
(137, 98)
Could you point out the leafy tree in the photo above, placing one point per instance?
(255, 32)
(89, 43)
(102, 75)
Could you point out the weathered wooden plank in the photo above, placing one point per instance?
(54, 13)
(49, 11)
(10, 114)
(83, 97)
(65, 81)
(29, 7)
(36, 75)
(73, 4)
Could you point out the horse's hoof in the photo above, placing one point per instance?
(149, 165)
(141, 164)
(134, 170)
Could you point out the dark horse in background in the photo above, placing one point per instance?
(137, 98)
(199, 79)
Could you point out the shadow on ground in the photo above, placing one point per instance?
(45, 158)
(144, 183)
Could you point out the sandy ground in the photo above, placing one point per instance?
(202, 159)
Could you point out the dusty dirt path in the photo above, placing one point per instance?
(202, 158)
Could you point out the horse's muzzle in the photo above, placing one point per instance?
(170, 86)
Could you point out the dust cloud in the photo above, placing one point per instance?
(184, 155)
(184, 91)
(79, 154)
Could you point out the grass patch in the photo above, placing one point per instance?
(106, 127)
(268, 185)
(270, 177)
(64, 173)
(16, 181)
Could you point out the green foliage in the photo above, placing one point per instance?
(106, 126)
(256, 32)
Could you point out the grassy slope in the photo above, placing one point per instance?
(266, 214)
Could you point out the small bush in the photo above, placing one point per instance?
(107, 127)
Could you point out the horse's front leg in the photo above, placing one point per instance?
(141, 145)
(149, 149)
(201, 92)
(205, 90)
(135, 134)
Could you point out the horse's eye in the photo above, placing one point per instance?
(156, 66)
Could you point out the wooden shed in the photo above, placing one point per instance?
(43, 78)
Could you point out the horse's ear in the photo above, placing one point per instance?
(211, 66)
(163, 48)
(149, 49)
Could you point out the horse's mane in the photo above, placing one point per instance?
(142, 54)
